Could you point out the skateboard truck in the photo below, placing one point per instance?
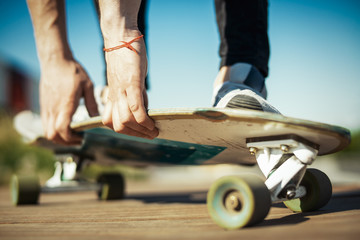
(64, 178)
(64, 171)
(283, 160)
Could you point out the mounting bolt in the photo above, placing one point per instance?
(291, 192)
(284, 148)
(253, 150)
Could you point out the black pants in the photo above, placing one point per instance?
(243, 32)
(242, 27)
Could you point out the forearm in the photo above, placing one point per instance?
(48, 17)
(118, 20)
(125, 110)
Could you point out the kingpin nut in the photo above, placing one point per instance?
(252, 150)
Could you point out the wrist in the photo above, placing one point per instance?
(121, 36)
(118, 19)
(52, 46)
(54, 57)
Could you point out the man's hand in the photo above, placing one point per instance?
(62, 84)
(63, 81)
(125, 110)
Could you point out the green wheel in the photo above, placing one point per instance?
(112, 186)
(24, 190)
(318, 192)
(237, 201)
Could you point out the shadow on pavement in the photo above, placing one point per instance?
(340, 202)
(164, 198)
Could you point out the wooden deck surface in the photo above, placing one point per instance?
(148, 213)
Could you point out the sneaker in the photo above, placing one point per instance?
(245, 89)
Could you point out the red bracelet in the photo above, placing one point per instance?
(126, 44)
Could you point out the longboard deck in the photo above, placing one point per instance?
(190, 136)
(220, 132)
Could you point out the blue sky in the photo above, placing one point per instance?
(314, 63)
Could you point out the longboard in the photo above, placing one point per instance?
(225, 132)
(282, 146)
(193, 136)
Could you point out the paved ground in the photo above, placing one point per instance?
(161, 211)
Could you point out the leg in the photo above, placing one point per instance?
(243, 33)
(142, 27)
(244, 52)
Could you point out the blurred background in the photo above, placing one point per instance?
(314, 62)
